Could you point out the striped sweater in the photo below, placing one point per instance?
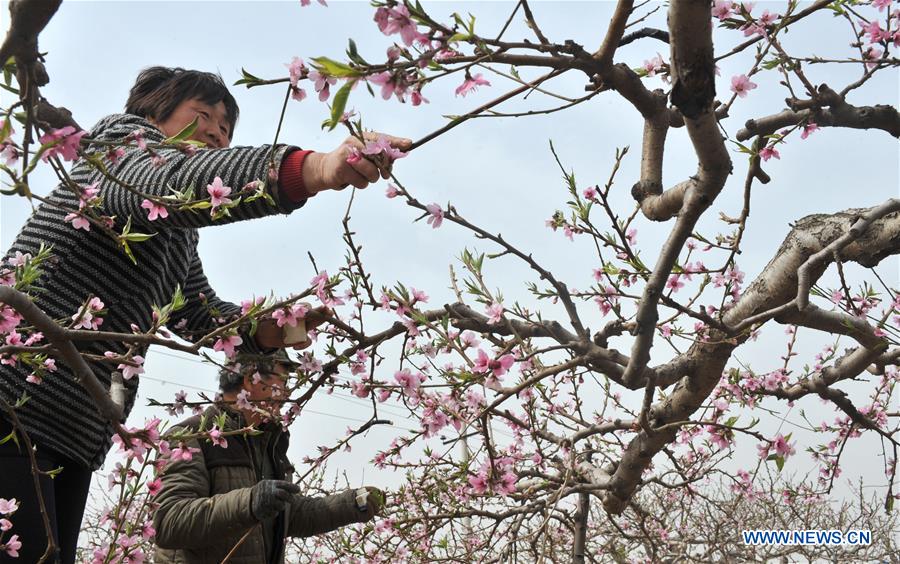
(60, 415)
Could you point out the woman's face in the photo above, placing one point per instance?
(212, 122)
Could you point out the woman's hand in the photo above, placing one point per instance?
(332, 171)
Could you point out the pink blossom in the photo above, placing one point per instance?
(397, 19)
(479, 482)
(389, 83)
(674, 283)
(78, 221)
(436, 215)
(227, 344)
(590, 193)
(114, 154)
(147, 530)
(654, 65)
(309, 363)
(5, 525)
(470, 84)
(808, 129)
(495, 312)
(9, 153)
(498, 366)
(242, 401)
(298, 94)
(247, 305)
(353, 156)
(296, 70)
(767, 18)
(9, 319)
(138, 136)
(65, 143)
(13, 545)
(408, 381)
(215, 436)
(418, 295)
(218, 193)
(872, 55)
(837, 296)
(881, 4)
(507, 483)
(155, 211)
(290, 315)
(741, 85)
(359, 389)
(8, 506)
(322, 84)
(392, 191)
(666, 331)
(129, 371)
(782, 448)
(382, 145)
(722, 9)
(768, 152)
(631, 236)
(89, 317)
(474, 400)
(183, 452)
(874, 31)
(154, 486)
(417, 99)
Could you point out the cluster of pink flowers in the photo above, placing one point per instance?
(89, 197)
(290, 315)
(397, 19)
(62, 142)
(297, 70)
(501, 478)
(89, 317)
(13, 544)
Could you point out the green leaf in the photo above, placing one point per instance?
(779, 460)
(183, 135)
(11, 437)
(353, 54)
(248, 79)
(178, 300)
(128, 252)
(459, 37)
(55, 472)
(338, 104)
(137, 237)
(6, 131)
(334, 69)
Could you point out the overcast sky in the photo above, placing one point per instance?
(499, 173)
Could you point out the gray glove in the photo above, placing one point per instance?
(269, 497)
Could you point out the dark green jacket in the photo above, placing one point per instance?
(204, 504)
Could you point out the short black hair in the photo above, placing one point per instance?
(231, 376)
(158, 91)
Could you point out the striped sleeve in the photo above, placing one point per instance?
(160, 171)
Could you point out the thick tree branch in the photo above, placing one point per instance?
(59, 338)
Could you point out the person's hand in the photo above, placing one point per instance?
(269, 497)
(331, 171)
(374, 503)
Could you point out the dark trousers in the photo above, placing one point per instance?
(64, 498)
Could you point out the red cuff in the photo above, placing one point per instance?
(290, 176)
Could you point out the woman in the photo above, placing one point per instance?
(89, 266)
